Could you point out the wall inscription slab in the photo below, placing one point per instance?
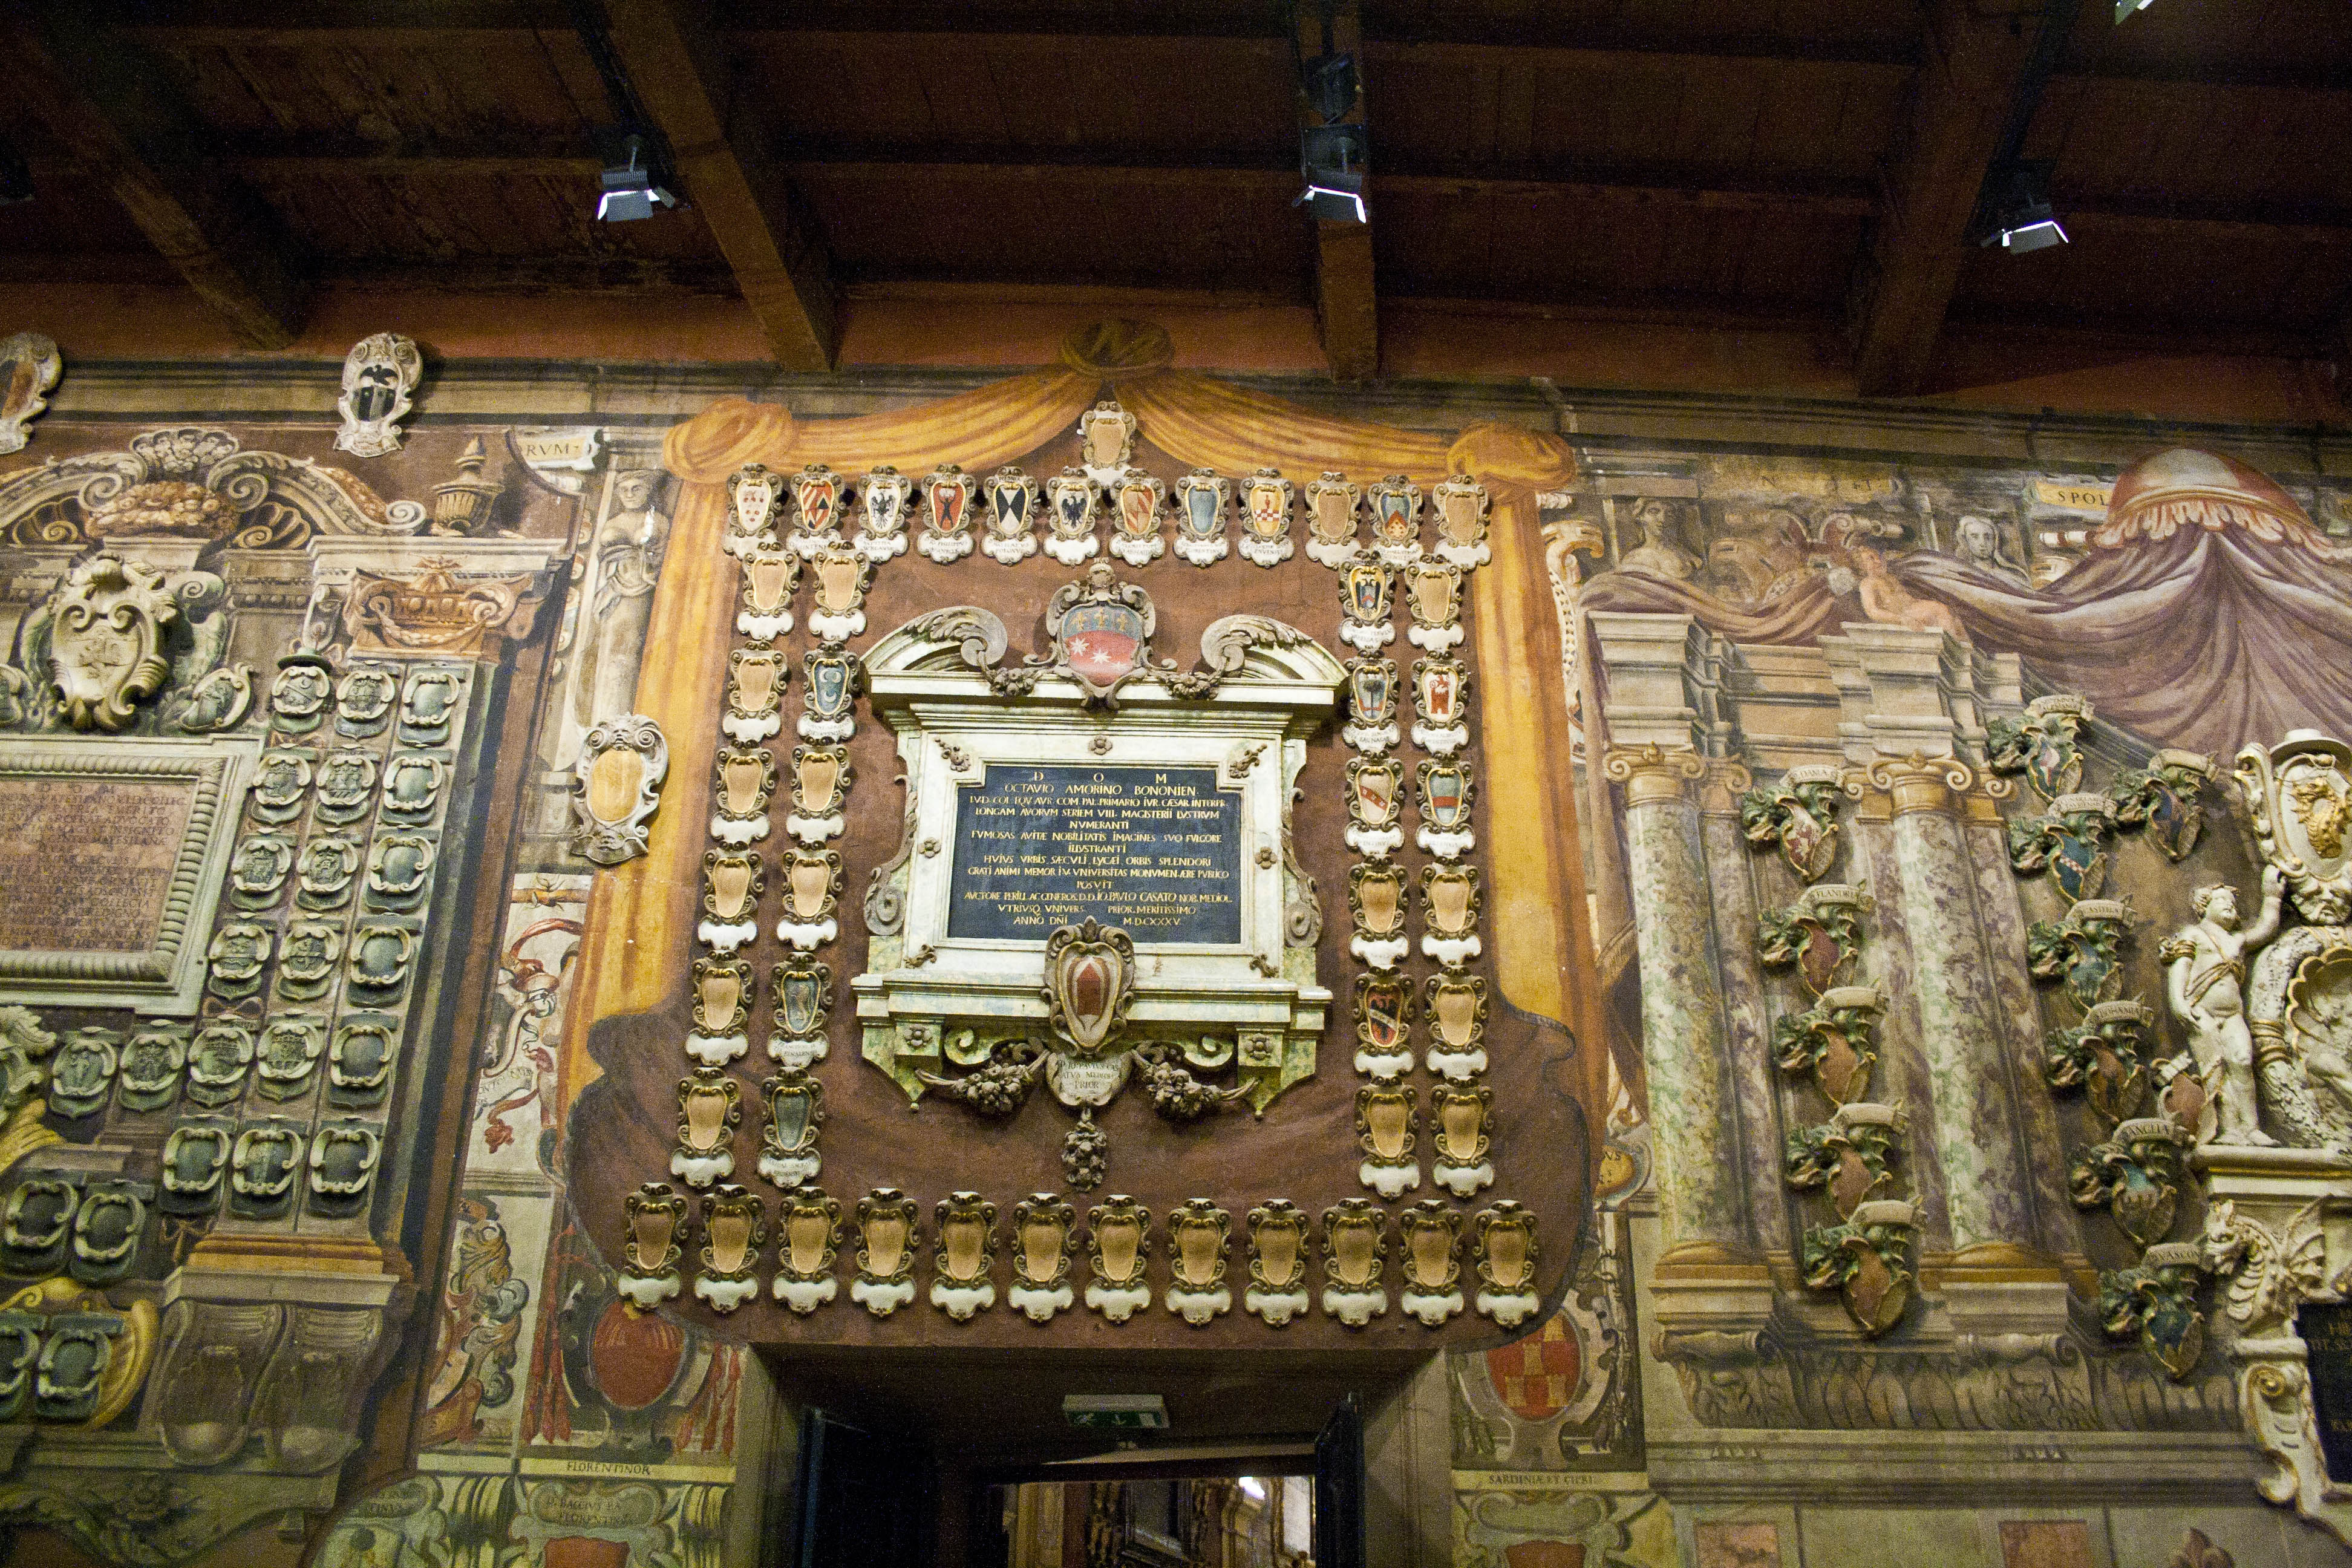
(88, 861)
(112, 852)
(1157, 851)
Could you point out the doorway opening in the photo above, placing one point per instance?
(1199, 1521)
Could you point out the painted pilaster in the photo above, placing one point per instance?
(1748, 1023)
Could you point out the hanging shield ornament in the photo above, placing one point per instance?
(1010, 495)
(1364, 588)
(1090, 981)
(1808, 844)
(884, 522)
(1461, 506)
(1073, 496)
(1138, 497)
(1396, 517)
(1265, 505)
(1375, 791)
(1457, 1009)
(1437, 684)
(1376, 896)
(803, 993)
(719, 994)
(830, 684)
(2077, 864)
(1433, 593)
(754, 494)
(817, 772)
(1372, 691)
(1539, 1376)
(2174, 820)
(1383, 1011)
(1444, 797)
(1331, 515)
(1450, 899)
(817, 493)
(1101, 642)
(1106, 436)
(1201, 497)
(948, 492)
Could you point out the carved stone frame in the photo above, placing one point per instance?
(168, 977)
(925, 990)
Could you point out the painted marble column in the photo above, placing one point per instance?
(1732, 869)
(1684, 1045)
(1975, 1125)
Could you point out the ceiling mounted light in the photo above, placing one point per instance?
(1331, 157)
(2126, 7)
(2021, 218)
(629, 191)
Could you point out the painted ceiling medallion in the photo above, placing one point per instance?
(948, 494)
(380, 377)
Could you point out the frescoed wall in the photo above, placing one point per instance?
(1858, 1026)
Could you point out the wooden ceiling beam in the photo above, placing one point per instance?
(118, 115)
(1968, 79)
(1346, 303)
(743, 195)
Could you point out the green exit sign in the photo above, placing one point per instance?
(1127, 1412)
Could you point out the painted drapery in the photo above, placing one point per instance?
(1541, 932)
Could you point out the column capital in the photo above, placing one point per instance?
(1922, 783)
(1652, 773)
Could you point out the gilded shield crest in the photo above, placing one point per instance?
(1365, 586)
(1090, 981)
(948, 491)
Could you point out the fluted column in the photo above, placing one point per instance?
(1975, 1118)
(1694, 1135)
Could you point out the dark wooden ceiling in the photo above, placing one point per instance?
(1722, 161)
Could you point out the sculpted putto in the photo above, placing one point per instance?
(2205, 976)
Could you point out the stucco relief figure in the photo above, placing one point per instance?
(1657, 556)
(2204, 980)
(1977, 541)
(629, 546)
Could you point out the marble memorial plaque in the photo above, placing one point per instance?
(88, 861)
(112, 852)
(2326, 1330)
(1154, 850)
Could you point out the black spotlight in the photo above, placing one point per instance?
(630, 190)
(1331, 157)
(2018, 218)
(16, 179)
